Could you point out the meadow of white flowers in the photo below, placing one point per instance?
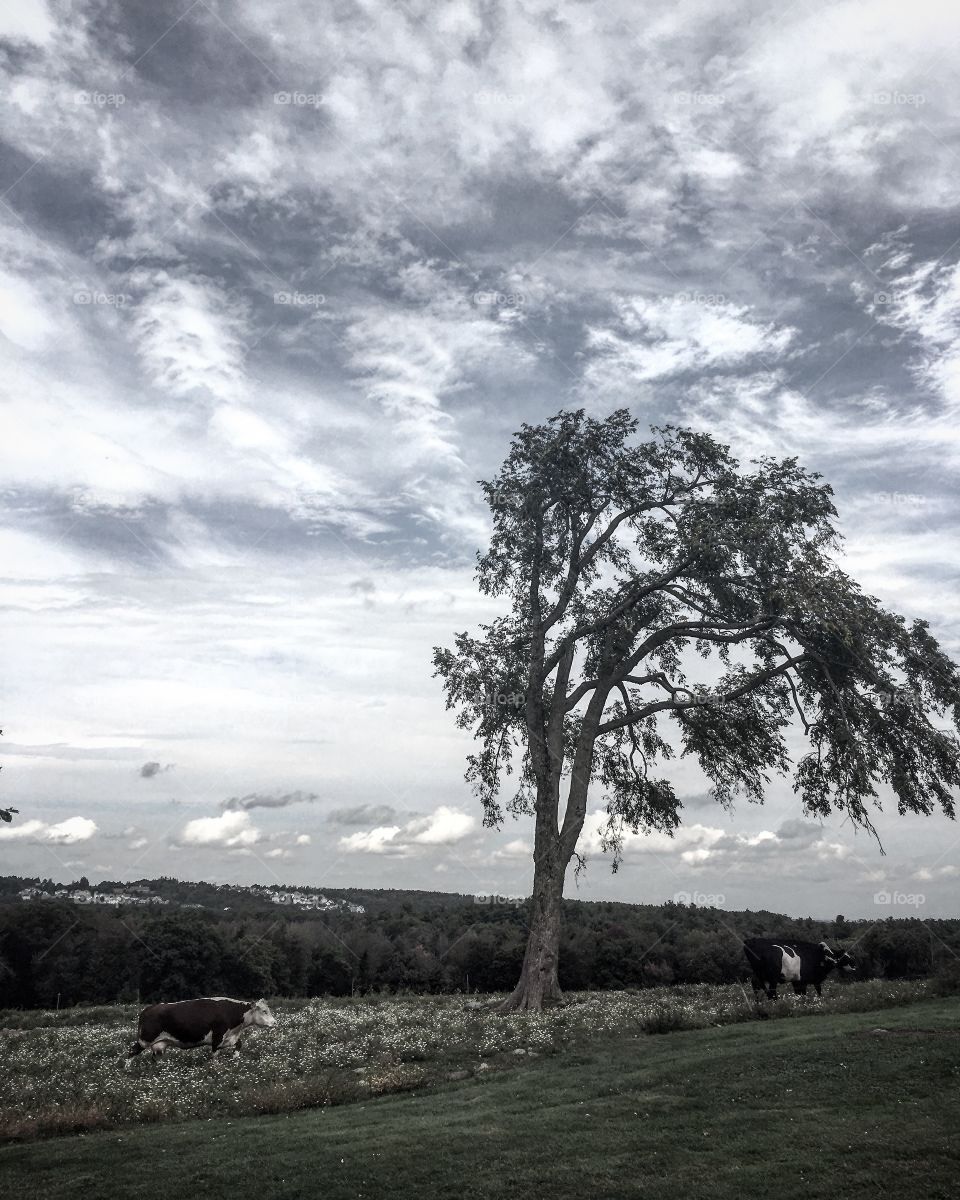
(64, 1072)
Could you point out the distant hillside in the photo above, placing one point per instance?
(167, 938)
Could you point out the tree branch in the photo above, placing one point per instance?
(630, 597)
(633, 739)
(756, 680)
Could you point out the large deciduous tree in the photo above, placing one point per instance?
(628, 567)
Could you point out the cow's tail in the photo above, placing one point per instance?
(753, 958)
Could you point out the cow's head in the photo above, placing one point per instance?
(845, 962)
(836, 958)
(260, 1014)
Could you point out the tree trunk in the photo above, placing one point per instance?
(553, 848)
(539, 986)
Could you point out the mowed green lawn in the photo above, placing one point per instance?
(807, 1108)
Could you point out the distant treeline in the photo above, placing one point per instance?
(53, 951)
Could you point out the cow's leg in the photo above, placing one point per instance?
(216, 1041)
(759, 989)
(772, 991)
(799, 989)
(819, 990)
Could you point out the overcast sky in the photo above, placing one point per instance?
(279, 281)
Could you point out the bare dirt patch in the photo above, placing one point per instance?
(932, 1033)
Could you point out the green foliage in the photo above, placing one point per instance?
(612, 557)
(404, 942)
(6, 814)
(946, 982)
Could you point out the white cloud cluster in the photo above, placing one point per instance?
(230, 831)
(673, 335)
(697, 845)
(61, 833)
(445, 826)
(234, 830)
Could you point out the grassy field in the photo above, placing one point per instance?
(825, 1107)
(61, 1072)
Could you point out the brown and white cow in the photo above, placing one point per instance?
(215, 1021)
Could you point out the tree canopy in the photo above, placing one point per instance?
(6, 814)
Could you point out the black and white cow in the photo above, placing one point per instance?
(215, 1021)
(789, 961)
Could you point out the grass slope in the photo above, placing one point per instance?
(815, 1108)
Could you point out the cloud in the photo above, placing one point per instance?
(515, 850)
(674, 335)
(442, 827)
(149, 769)
(190, 335)
(66, 751)
(362, 814)
(445, 826)
(791, 848)
(230, 831)
(267, 800)
(696, 837)
(929, 874)
(382, 840)
(27, 22)
(63, 833)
